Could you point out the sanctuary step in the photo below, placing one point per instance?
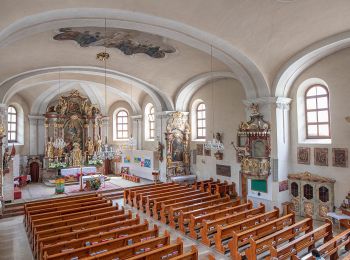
(13, 209)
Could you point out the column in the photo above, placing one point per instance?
(136, 130)
(105, 125)
(41, 135)
(36, 130)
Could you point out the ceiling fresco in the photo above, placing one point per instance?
(128, 41)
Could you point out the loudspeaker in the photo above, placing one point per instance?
(274, 170)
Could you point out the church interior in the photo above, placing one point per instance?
(174, 129)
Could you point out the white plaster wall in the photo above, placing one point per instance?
(228, 113)
(148, 145)
(334, 70)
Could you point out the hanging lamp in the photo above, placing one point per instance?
(59, 143)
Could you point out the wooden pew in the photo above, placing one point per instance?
(66, 212)
(83, 250)
(115, 229)
(226, 189)
(132, 250)
(306, 241)
(175, 211)
(74, 215)
(258, 246)
(330, 249)
(166, 252)
(209, 226)
(197, 217)
(226, 232)
(213, 185)
(53, 202)
(197, 185)
(154, 204)
(76, 227)
(141, 198)
(129, 193)
(205, 185)
(192, 255)
(73, 221)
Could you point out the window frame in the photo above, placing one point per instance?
(9, 140)
(317, 123)
(118, 125)
(201, 119)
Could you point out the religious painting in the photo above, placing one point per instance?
(128, 42)
(223, 170)
(207, 152)
(303, 155)
(147, 163)
(127, 159)
(340, 157)
(177, 150)
(200, 149)
(283, 185)
(321, 156)
(73, 132)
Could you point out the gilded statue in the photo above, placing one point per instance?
(6, 158)
(59, 152)
(90, 147)
(50, 150)
(76, 155)
(245, 164)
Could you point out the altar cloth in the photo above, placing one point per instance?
(75, 171)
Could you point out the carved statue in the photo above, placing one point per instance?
(6, 159)
(98, 145)
(76, 155)
(90, 147)
(245, 164)
(50, 150)
(159, 151)
(60, 152)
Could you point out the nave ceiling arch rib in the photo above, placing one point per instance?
(247, 72)
(15, 84)
(305, 59)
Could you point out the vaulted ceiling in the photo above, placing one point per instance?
(263, 44)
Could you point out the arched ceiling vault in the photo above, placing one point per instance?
(245, 70)
(27, 80)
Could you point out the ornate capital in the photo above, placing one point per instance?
(283, 103)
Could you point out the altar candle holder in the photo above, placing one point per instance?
(81, 178)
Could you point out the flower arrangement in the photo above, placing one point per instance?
(93, 184)
(57, 165)
(96, 162)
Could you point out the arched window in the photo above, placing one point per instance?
(201, 121)
(122, 126)
(12, 124)
(150, 122)
(317, 112)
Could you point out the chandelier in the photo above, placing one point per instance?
(215, 145)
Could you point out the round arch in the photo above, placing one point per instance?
(247, 72)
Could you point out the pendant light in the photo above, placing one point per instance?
(214, 145)
(59, 143)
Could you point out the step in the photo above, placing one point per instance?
(14, 209)
(12, 214)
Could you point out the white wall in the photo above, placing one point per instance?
(228, 113)
(334, 70)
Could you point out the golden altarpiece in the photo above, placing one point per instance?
(311, 194)
(77, 123)
(177, 146)
(253, 149)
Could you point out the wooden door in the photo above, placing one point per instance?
(34, 171)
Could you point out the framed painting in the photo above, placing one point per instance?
(223, 170)
(207, 152)
(124, 170)
(283, 185)
(340, 157)
(321, 156)
(200, 149)
(303, 155)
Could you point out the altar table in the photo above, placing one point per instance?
(76, 171)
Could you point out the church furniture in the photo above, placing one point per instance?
(338, 218)
(130, 177)
(331, 248)
(78, 226)
(130, 192)
(17, 193)
(131, 250)
(119, 227)
(94, 238)
(188, 179)
(175, 211)
(307, 240)
(198, 184)
(345, 223)
(196, 218)
(226, 232)
(83, 250)
(208, 227)
(205, 184)
(184, 196)
(258, 246)
(192, 255)
(311, 194)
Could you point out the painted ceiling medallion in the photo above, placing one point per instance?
(128, 41)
